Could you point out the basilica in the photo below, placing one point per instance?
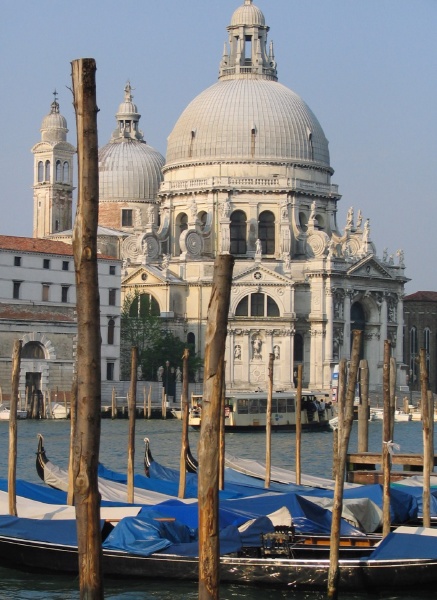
(247, 172)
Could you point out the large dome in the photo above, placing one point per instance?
(245, 119)
(129, 170)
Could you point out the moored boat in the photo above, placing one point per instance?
(5, 413)
(246, 411)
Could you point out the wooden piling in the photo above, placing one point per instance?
(113, 403)
(298, 413)
(149, 403)
(344, 436)
(73, 420)
(269, 421)
(215, 340)
(164, 403)
(184, 416)
(132, 413)
(393, 406)
(387, 439)
(87, 434)
(12, 459)
(363, 408)
(428, 454)
(222, 429)
(144, 402)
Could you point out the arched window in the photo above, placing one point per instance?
(40, 171)
(144, 305)
(257, 305)
(66, 172)
(298, 348)
(111, 330)
(47, 171)
(266, 232)
(191, 340)
(33, 350)
(58, 171)
(238, 232)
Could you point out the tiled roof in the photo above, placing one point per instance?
(421, 297)
(40, 246)
(26, 244)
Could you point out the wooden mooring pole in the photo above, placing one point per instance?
(132, 413)
(269, 422)
(299, 426)
(215, 340)
(222, 431)
(12, 460)
(363, 408)
(345, 427)
(428, 453)
(387, 440)
(87, 433)
(184, 409)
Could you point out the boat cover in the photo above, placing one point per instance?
(55, 532)
(408, 543)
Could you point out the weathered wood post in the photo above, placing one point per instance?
(431, 429)
(269, 421)
(426, 509)
(73, 420)
(144, 402)
(164, 403)
(344, 435)
(12, 461)
(386, 428)
(222, 430)
(341, 401)
(215, 340)
(363, 408)
(149, 403)
(113, 403)
(87, 434)
(299, 426)
(393, 406)
(132, 412)
(184, 408)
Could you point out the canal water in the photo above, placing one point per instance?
(165, 439)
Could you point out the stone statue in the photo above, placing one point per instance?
(366, 232)
(151, 214)
(256, 345)
(139, 372)
(391, 260)
(166, 261)
(226, 208)
(313, 210)
(160, 372)
(284, 211)
(237, 352)
(385, 255)
(350, 218)
(276, 352)
(332, 250)
(138, 220)
(178, 374)
(258, 248)
(359, 219)
(400, 255)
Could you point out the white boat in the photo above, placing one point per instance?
(177, 413)
(246, 411)
(59, 411)
(399, 415)
(5, 413)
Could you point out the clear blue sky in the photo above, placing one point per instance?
(367, 69)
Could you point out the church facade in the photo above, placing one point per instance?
(247, 172)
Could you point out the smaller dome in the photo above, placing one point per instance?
(248, 14)
(54, 125)
(127, 108)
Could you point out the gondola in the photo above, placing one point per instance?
(191, 464)
(275, 566)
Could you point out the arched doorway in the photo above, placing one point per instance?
(358, 323)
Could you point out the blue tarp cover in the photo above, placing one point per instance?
(406, 545)
(56, 532)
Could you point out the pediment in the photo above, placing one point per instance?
(150, 275)
(259, 274)
(370, 268)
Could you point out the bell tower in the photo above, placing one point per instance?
(52, 176)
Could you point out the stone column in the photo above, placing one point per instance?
(329, 325)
